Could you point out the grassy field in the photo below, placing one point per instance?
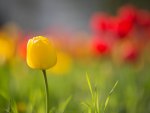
(22, 89)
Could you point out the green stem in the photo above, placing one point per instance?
(47, 92)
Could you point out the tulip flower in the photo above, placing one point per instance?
(100, 46)
(121, 27)
(128, 12)
(41, 55)
(7, 47)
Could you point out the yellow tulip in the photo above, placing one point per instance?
(41, 53)
(7, 47)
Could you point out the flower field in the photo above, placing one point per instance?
(106, 70)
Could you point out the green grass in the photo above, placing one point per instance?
(73, 93)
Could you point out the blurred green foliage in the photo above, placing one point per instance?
(26, 88)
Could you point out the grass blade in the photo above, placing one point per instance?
(89, 84)
(63, 105)
(106, 103)
(108, 98)
(111, 91)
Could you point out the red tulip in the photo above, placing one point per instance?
(120, 27)
(128, 12)
(123, 27)
(100, 47)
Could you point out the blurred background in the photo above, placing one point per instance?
(108, 39)
(72, 14)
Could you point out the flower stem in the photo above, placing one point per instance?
(47, 92)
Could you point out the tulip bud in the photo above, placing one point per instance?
(40, 53)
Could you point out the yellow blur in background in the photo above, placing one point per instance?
(7, 47)
(63, 65)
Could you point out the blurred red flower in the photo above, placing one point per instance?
(100, 46)
(128, 12)
(121, 27)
